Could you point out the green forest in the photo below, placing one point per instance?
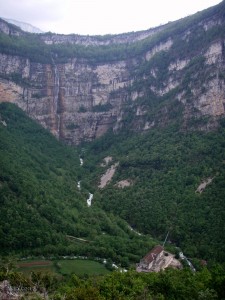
(175, 173)
(165, 167)
(171, 284)
(42, 208)
(43, 212)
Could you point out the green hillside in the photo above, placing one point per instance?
(41, 204)
(163, 99)
(165, 168)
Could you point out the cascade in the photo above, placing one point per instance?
(56, 97)
(81, 161)
(78, 186)
(89, 199)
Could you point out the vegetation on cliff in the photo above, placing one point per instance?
(42, 204)
(44, 190)
(33, 47)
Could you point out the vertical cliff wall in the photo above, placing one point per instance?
(79, 99)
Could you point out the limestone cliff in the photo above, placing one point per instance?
(173, 75)
(130, 37)
(10, 29)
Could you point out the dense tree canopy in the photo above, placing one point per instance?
(42, 208)
(165, 167)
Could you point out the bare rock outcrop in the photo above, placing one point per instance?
(78, 100)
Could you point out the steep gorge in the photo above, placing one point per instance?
(135, 80)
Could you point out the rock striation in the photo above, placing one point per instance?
(80, 100)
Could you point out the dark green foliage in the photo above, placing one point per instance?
(82, 109)
(41, 204)
(36, 173)
(102, 107)
(72, 126)
(170, 284)
(166, 167)
(28, 46)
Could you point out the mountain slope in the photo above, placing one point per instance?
(24, 26)
(161, 91)
(79, 86)
(165, 169)
(41, 204)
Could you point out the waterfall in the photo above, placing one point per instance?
(89, 199)
(81, 161)
(56, 97)
(78, 186)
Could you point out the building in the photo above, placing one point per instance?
(151, 259)
(157, 260)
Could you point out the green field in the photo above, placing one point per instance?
(64, 267)
(81, 267)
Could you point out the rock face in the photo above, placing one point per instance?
(75, 39)
(8, 29)
(24, 26)
(78, 100)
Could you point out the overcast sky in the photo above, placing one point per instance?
(99, 16)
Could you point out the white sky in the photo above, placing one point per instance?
(99, 16)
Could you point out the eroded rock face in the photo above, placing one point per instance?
(160, 47)
(9, 29)
(72, 100)
(80, 100)
(75, 39)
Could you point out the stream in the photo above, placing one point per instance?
(81, 161)
(187, 261)
(89, 199)
(89, 202)
(90, 196)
